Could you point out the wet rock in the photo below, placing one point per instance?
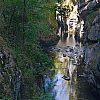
(58, 49)
(71, 50)
(66, 78)
(64, 55)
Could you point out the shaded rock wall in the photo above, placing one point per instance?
(90, 12)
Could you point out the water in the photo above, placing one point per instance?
(68, 53)
(64, 89)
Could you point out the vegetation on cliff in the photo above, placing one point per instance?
(22, 23)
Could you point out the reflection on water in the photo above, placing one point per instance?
(61, 88)
(68, 51)
(70, 41)
(64, 89)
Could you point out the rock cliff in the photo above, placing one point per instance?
(90, 12)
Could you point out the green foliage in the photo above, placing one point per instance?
(6, 98)
(46, 96)
(23, 21)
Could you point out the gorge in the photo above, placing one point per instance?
(50, 50)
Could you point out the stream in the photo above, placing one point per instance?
(68, 55)
(69, 52)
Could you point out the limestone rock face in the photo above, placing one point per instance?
(94, 33)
